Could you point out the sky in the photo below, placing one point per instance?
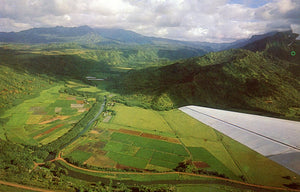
(190, 20)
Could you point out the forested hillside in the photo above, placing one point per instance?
(263, 79)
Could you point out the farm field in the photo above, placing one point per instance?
(130, 140)
(43, 119)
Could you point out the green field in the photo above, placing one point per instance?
(198, 142)
(141, 119)
(34, 121)
(89, 89)
(81, 156)
(158, 154)
(148, 149)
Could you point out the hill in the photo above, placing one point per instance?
(85, 35)
(265, 80)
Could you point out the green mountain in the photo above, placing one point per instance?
(98, 36)
(109, 39)
(263, 80)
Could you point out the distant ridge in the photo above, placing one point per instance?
(88, 35)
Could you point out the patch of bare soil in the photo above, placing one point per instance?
(94, 132)
(24, 187)
(119, 166)
(130, 132)
(71, 98)
(37, 110)
(148, 135)
(106, 119)
(54, 119)
(81, 110)
(88, 147)
(100, 161)
(77, 106)
(200, 164)
(79, 101)
(151, 136)
(57, 109)
(48, 131)
(99, 144)
(170, 139)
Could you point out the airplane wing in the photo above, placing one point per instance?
(277, 139)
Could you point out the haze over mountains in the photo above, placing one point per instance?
(102, 36)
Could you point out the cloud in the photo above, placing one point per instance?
(205, 20)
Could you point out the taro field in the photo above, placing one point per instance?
(136, 138)
(43, 119)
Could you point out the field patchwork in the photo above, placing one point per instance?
(42, 119)
(137, 138)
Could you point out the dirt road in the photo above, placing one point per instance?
(182, 173)
(24, 186)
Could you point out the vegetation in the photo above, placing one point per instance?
(58, 144)
(231, 79)
(47, 103)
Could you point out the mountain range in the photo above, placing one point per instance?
(263, 76)
(257, 74)
(104, 36)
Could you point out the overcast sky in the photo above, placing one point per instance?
(196, 20)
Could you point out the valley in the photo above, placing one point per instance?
(60, 130)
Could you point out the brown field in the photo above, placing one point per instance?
(130, 132)
(57, 109)
(119, 166)
(147, 135)
(151, 136)
(101, 161)
(48, 131)
(99, 144)
(86, 147)
(200, 164)
(106, 119)
(170, 139)
(94, 132)
(81, 110)
(54, 119)
(77, 105)
(79, 101)
(71, 98)
(34, 119)
(37, 110)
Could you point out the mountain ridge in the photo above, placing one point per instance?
(257, 79)
(60, 34)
